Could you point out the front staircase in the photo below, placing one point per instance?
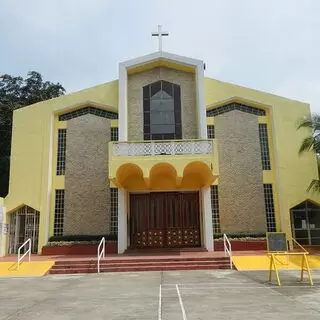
(134, 264)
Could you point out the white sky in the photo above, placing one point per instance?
(269, 45)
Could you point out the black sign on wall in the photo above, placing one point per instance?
(277, 241)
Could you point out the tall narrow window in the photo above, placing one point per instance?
(210, 131)
(269, 205)
(264, 145)
(61, 154)
(114, 210)
(215, 209)
(59, 213)
(114, 134)
(162, 111)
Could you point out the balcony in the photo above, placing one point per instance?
(162, 165)
(156, 148)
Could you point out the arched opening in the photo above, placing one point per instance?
(163, 177)
(24, 224)
(130, 176)
(305, 220)
(162, 111)
(196, 175)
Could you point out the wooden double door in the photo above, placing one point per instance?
(164, 219)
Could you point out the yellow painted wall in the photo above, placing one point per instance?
(32, 128)
(292, 172)
(34, 125)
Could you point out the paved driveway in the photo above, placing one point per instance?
(160, 295)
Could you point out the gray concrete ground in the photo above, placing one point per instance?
(175, 295)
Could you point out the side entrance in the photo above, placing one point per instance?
(165, 219)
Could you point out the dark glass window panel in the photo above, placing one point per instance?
(61, 152)
(155, 87)
(146, 119)
(168, 136)
(167, 87)
(58, 213)
(302, 237)
(235, 106)
(147, 129)
(156, 137)
(215, 209)
(146, 105)
(162, 129)
(114, 210)
(176, 92)
(315, 237)
(114, 134)
(165, 113)
(314, 218)
(90, 110)
(146, 92)
(210, 131)
(269, 207)
(300, 220)
(264, 146)
(147, 136)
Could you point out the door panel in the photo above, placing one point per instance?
(165, 219)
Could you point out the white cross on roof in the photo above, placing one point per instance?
(160, 34)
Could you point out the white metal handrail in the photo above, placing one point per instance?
(227, 248)
(101, 253)
(27, 252)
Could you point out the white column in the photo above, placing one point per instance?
(123, 104)
(207, 218)
(3, 237)
(122, 220)
(202, 116)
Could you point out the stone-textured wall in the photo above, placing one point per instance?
(241, 196)
(87, 193)
(188, 100)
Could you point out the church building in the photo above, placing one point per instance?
(162, 157)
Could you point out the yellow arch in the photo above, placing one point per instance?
(196, 175)
(163, 176)
(130, 176)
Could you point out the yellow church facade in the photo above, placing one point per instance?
(162, 157)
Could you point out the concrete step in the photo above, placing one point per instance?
(136, 268)
(130, 263)
(143, 260)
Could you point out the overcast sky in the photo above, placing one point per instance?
(269, 45)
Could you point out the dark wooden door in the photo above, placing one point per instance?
(164, 219)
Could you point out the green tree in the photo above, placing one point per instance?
(15, 93)
(312, 143)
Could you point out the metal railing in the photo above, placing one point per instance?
(101, 253)
(27, 252)
(227, 248)
(161, 147)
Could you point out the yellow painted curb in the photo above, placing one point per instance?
(32, 268)
(263, 262)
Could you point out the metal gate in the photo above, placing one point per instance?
(24, 224)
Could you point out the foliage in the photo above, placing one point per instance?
(312, 143)
(242, 235)
(15, 93)
(72, 243)
(83, 238)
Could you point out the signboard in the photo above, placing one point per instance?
(277, 241)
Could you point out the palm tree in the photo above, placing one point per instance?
(312, 143)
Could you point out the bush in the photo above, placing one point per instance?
(241, 235)
(83, 238)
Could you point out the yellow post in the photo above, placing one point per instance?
(308, 269)
(270, 268)
(273, 263)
